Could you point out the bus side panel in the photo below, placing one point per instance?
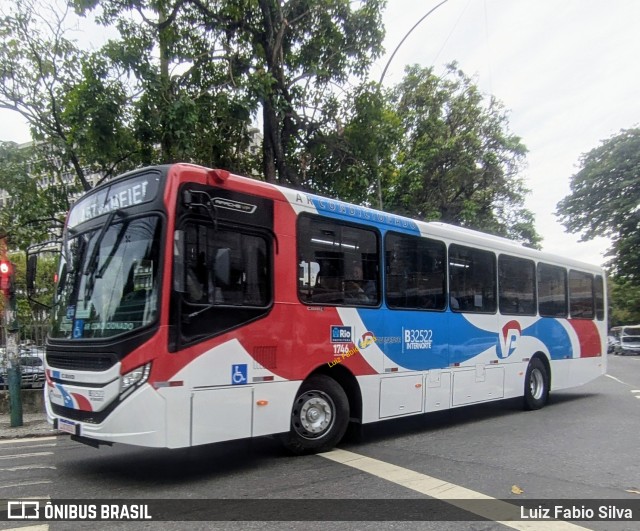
(274, 416)
(438, 390)
(221, 414)
(370, 391)
(140, 420)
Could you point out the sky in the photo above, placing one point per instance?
(568, 71)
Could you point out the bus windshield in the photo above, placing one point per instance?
(108, 278)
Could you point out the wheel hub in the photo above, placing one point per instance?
(536, 384)
(315, 416)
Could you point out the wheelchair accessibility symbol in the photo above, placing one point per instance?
(239, 374)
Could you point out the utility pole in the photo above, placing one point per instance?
(14, 377)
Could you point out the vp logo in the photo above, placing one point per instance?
(509, 339)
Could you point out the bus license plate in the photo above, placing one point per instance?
(67, 426)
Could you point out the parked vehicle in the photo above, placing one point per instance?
(627, 339)
(31, 371)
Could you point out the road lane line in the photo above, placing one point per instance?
(46, 445)
(26, 467)
(19, 456)
(43, 527)
(616, 379)
(24, 484)
(451, 493)
(18, 440)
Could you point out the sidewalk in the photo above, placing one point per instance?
(33, 425)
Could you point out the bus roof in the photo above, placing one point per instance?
(381, 219)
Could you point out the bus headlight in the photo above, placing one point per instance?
(134, 379)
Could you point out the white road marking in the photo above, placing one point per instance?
(24, 484)
(26, 467)
(26, 439)
(42, 527)
(453, 494)
(616, 379)
(19, 456)
(46, 445)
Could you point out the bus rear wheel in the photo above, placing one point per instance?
(536, 385)
(319, 416)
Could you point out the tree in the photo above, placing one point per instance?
(361, 138)
(624, 302)
(187, 96)
(33, 318)
(295, 51)
(605, 201)
(61, 90)
(457, 163)
(31, 215)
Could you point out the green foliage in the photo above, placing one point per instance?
(439, 150)
(605, 201)
(186, 79)
(31, 215)
(41, 71)
(458, 163)
(96, 110)
(292, 54)
(624, 302)
(360, 138)
(32, 317)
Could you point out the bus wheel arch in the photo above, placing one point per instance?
(537, 382)
(321, 411)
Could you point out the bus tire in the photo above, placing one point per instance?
(536, 385)
(319, 416)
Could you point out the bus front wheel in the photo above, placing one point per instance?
(319, 416)
(536, 385)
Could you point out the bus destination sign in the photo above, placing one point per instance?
(121, 194)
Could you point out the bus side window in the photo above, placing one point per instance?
(516, 285)
(347, 256)
(415, 273)
(552, 290)
(472, 274)
(581, 295)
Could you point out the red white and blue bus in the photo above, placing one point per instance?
(195, 306)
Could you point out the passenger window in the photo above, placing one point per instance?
(415, 272)
(472, 285)
(337, 263)
(581, 299)
(599, 286)
(552, 291)
(516, 286)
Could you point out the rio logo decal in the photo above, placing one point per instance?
(511, 332)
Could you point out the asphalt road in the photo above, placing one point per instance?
(583, 445)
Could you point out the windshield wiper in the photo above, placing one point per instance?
(92, 263)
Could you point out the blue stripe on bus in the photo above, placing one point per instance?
(359, 214)
(434, 340)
